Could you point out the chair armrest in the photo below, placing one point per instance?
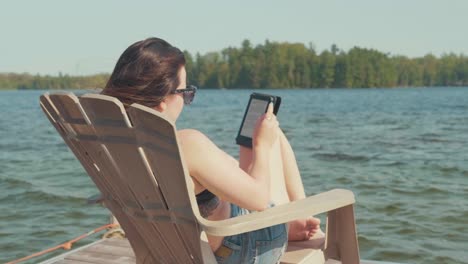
(320, 203)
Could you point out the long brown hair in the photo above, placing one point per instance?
(145, 73)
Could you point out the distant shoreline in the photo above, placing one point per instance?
(285, 65)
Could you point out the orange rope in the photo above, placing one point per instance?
(67, 245)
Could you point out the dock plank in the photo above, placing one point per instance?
(69, 261)
(111, 250)
(118, 242)
(92, 257)
(105, 251)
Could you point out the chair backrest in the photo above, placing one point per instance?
(134, 159)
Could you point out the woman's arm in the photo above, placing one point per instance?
(219, 173)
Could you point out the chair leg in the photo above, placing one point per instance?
(207, 253)
(341, 237)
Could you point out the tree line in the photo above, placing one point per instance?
(25, 81)
(294, 65)
(287, 65)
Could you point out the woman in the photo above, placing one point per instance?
(152, 72)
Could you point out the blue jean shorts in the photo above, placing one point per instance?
(263, 246)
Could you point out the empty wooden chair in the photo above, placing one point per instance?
(134, 159)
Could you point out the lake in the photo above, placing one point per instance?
(403, 152)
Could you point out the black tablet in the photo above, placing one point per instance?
(258, 105)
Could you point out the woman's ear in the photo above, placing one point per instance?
(161, 107)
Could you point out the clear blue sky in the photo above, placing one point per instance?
(85, 37)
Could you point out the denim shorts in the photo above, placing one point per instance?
(263, 246)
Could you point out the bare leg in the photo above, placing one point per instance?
(301, 229)
(245, 158)
(278, 190)
(286, 184)
(291, 172)
(283, 165)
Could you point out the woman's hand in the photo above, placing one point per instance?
(266, 130)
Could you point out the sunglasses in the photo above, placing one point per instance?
(188, 93)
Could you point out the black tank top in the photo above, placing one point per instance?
(205, 197)
(207, 202)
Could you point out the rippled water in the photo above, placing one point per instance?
(403, 152)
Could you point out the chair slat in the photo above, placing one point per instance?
(89, 153)
(153, 128)
(151, 237)
(110, 121)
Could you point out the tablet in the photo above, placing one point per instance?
(258, 105)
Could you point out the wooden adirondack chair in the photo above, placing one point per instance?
(134, 159)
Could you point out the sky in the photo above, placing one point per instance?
(87, 36)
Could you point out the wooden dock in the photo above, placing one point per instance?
(104, 251)
(118, 250)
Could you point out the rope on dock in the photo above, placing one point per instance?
(66, 246)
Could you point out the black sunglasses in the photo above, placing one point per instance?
(188, 93)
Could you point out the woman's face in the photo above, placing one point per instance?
(174, 103)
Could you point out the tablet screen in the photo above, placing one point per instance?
(256, 109)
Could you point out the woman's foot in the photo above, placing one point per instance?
(303, 229)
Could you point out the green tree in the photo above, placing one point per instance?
(327, 69)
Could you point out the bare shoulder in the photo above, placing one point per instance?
(191, 136)
(197, 146)
(194, 141)
(189, 133)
